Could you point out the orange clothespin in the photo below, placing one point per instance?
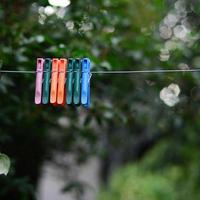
(61, 81)
(54, 81)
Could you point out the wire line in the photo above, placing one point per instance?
(109, 71)
(145, 71)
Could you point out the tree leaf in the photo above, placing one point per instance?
(4, 164)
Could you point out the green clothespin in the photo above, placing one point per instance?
(77, 82)
(46, 82)
(69, 82)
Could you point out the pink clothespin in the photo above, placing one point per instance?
(39, 79)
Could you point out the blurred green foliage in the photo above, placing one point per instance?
(127, 118)
(150, 179)
(131, 182)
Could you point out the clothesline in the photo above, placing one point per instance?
(110, 71)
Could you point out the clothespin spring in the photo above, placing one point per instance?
(90, 77)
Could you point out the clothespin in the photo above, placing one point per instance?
(77, 82)
(70, 80)
(54, 81)
(39, 79)
(61, 81)
(85, 83)
(46, 82)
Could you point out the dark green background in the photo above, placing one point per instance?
(134, 125)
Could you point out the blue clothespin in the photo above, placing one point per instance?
(85, 83)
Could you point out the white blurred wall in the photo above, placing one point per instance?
(54, 178)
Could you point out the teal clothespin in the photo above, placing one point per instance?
(70, 80)
(77, 82)
(46, 82)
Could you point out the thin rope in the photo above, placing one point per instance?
(109, 71)
(145, 71)
(17, 72)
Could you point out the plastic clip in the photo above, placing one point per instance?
(46, 82)
(69, 82)
(54, 81)
(39, 78)
(85, 83)
(61, 81)
(77, 82)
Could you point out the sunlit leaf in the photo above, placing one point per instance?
(4, 164)
(169, 95)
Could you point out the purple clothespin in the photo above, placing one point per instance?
(39, 79)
